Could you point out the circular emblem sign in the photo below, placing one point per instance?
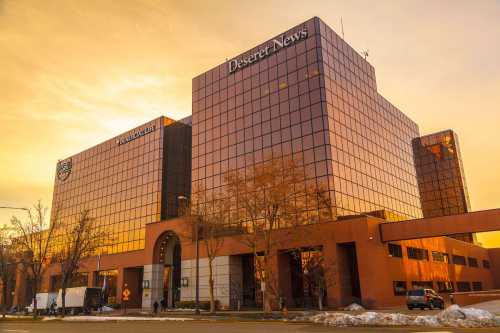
(64, 169)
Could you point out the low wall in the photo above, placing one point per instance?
(473, 297)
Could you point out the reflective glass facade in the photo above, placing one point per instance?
(441, 178)
(120, 182)
(440, 173)
(370, 139)
(314, 100)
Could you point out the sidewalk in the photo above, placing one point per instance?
(453, 316)
(205, 315)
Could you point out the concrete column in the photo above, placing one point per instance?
(91, 282)
(285, 278)
(235, 281)
(274, 281)
(333, 274)
(20, 287)
(119, 284)
(154, 274)
(221, 276)
(133, 280)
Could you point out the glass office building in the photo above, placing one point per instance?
(441, 178)
(308, 95)
(126, 182)
(304, 94)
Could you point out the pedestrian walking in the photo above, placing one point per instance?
(52, 310)
(163, 304)
(155, 307)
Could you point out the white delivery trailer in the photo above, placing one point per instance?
(43, 302)
(80, 299)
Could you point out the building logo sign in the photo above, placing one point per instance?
(275, 45)
(136, 135)
(64, 169)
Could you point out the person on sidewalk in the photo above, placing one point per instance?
(155, 307)
(163, 304)
(52, 309)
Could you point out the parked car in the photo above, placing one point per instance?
(424, 298)
(43, 302)
(80, 300)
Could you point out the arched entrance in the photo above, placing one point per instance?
(168, 257)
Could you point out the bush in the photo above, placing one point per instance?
(204, 305)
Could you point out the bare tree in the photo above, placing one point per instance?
(315, 270)
(273, 195)
(34, 239)
(7, 263)
(209, 215)
(82, 240)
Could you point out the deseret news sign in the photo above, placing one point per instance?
(275, 45)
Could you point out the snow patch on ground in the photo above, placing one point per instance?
(354, 307)
(171, 310)
(107, 318)
(492, 306)
(453, 316)
(107, 309)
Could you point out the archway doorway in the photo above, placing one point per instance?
(168, 256)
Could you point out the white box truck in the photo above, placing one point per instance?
(43, 302)
(80, 299)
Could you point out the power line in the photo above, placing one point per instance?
(20, 208)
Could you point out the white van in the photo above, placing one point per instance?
(43, 302)
(80, 299)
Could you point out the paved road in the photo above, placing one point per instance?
(199, 327)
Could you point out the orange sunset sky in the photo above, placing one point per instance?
(76, 72)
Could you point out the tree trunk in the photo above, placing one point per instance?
(34, 289)
(4, 299)
(267, 294)
(320, 300)
(35, 306)
(63, 300)
(211, 286)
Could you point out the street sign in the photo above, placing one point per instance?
(125, 294)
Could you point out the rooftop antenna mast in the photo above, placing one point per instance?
(365, 53)
(342, 27)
